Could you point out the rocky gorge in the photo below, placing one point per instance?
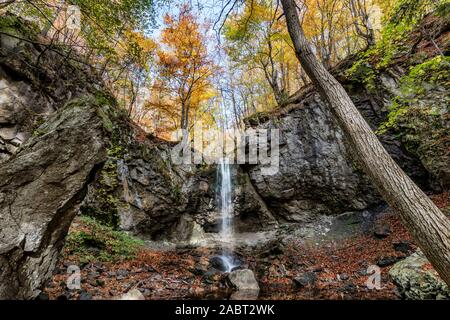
(68, 150)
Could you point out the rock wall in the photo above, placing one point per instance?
(318, 174)
(41, 188)
(143, 192)
(55, 134)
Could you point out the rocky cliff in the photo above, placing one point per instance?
(317, 172)
(66, 148)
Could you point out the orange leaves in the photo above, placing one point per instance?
(184, 66)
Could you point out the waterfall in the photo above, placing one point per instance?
(225, 205)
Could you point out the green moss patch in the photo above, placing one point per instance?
(91, 241)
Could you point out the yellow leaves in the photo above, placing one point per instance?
(184, 66)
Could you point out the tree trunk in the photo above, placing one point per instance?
(429, 227)
(183, 125)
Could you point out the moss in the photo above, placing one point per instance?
(363, 71)
(14, 25)
(421, 80)
(394, 41)
(419, 114)
(94, 241)
(105, 203)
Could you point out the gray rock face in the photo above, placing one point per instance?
(33, 88)
(316, 174)
(134, 294)
(50, 151)
(41, 188)
(417, 280)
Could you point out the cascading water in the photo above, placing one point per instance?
(226, 212)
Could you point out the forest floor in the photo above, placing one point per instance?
(329, 270)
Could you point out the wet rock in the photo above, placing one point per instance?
(386, 261)
(134, 294)
(218, 263)
(402, 246)
(417, 280)
(306, 279)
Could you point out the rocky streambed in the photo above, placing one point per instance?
(334, 264)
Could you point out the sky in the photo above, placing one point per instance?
(208, 13)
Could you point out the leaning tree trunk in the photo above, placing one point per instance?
(429, 227)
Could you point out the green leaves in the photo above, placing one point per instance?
(92, 241)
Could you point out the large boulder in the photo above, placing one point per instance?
(243, 280)
(417, 280)
(245, 283)
(41, 187)
(316, 172)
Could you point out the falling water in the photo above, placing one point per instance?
(226, 212)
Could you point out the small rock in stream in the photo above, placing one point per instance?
(306, 279)
(84, 296)
(134, 294)
(402, 246)
(386, 261)
(218, 263)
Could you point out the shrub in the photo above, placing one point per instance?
(91, 241)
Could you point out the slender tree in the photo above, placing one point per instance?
(184, 62)
(429, 227)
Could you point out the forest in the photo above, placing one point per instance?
(224, 150)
